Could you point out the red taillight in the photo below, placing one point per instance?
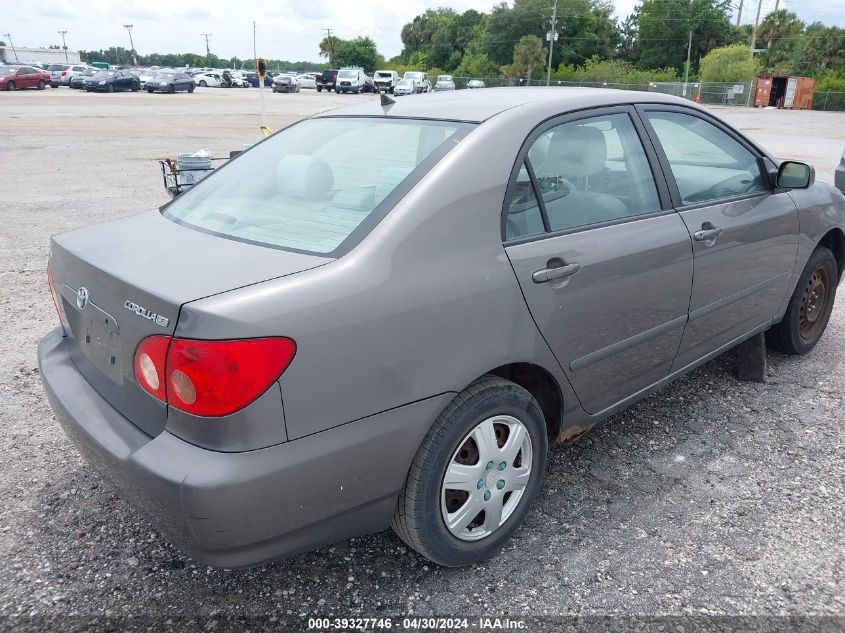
(210, 378)
(57, 299)
(150, 364)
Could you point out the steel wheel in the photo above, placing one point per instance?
(486, 478)
(813, 303)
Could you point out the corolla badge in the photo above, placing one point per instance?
(82, 297)
(147, 314)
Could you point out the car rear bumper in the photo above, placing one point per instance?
(241, 509)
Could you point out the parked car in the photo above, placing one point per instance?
(60, 74)
(839, 175)
(77, 81)
(211, 79)
(385, 80)
(404, 87)
(170, 81)
(444, 82)
(146, 74)
(283, 82)
(476, 83)
(112, 81)
(608, 242)
(420, 80)
(327, 80)
(350, 80)
(15, 77)
(252, 78)
(307, 81)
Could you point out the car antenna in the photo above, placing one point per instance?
(386, 101)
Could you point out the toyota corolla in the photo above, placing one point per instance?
(392, 333)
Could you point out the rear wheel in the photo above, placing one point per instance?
(110, 88)
(10, 86)
(41, 85)
(203, 84)
(136, 87)
(475, 476)
(171, 89)
(191, 88)
(809, 307)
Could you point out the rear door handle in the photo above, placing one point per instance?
(559, 272)
(707, 232)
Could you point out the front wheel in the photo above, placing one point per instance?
(475, 476)
(809, 307)
(41, 85)
(110, 88)
(10, 86)
(203, 84)
(191, 88)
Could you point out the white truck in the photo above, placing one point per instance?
(385, 80)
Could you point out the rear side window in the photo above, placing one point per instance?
(707, 163)
(318, 186)
(592, 170)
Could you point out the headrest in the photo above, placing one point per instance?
(304, 176)
(576, 151)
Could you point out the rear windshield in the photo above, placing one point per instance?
(6, 71)
(318, 186)
(384, 74)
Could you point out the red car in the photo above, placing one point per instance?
(16, 77)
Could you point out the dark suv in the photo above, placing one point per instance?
(326, 80)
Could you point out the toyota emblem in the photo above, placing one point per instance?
(82, 298)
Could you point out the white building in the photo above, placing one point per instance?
(37, 55)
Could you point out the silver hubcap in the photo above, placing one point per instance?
(486, 478)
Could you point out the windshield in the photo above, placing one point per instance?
(413, 75)
(347, 74)
(384, 74)
(164, 76)
(444, 78)
(318, 186)
(89, 72)
(104, 74)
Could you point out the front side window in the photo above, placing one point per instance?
(707, 163)
(310, 186)
(593, 170)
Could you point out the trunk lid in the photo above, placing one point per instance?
(136, 274)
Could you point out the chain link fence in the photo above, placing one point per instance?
(834, 101)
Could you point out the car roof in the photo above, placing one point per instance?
(475, 106)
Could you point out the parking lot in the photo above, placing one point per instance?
(710, 498)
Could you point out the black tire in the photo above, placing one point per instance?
(150, 90)
(203, 84)
(171, 89)
(191, 88)
(319, 89)
(109, 87)
(418, 520)
(809, 307)
(41, 85)
(136, 87)
(11, 86)
(54, 87)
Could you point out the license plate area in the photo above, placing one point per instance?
(97, 335)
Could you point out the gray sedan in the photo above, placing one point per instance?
(392, 333)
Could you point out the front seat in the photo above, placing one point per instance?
(576, 153)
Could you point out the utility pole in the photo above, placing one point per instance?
(254, 49)
(64, 43)
(551, 36)
(754, 31)
(330, 42)
(686, 71)
(769, 43)
(207, 48)
(9, 37)
(739, 13)
(128, 28)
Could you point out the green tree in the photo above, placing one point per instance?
(585, 28)
(360, 51)
(527, 55)
(822, 48)
(782, 32)
(664, 27)
(729, 63)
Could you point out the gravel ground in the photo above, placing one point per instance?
(710, 499)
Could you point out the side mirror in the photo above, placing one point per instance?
(795, 175)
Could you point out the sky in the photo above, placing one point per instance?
(286, 29)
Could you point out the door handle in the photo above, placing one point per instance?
(707, 232)
(559, 272)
